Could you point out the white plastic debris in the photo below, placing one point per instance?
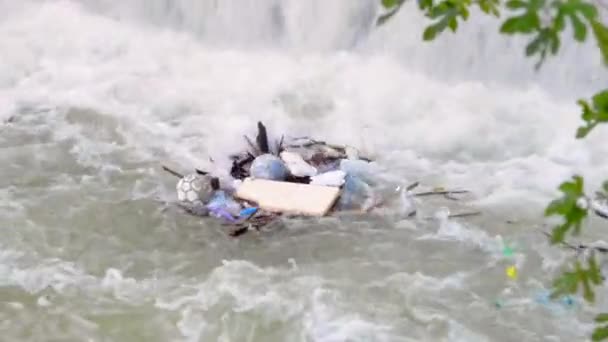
(268, 167)
(351, 153)
(297, 166)
(360, 169)
(331, 178)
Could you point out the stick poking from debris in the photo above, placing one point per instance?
(175, 173)
(262, 138)
(254, 149)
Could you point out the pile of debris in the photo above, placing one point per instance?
(296, 177)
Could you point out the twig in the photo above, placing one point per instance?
(175, 173)
(580, 247)
(254, 149)
(451, 192)
(280, 145)
(412, 186)
(474, 213)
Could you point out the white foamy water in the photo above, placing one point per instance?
(95, 95)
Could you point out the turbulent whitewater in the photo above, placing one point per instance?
(96, 94)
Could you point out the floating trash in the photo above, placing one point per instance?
(260, 186)
(331, 178)
(297, 166)
(511, 272)
(269, 167)
(248, 211)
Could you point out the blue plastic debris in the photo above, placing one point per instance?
(222, 213)
(354, 193)
(221, 204)
(268, 167)
(248, 212)
(544, 298)
(360, 169)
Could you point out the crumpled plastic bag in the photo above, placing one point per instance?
(363, 170)
(355, 194)
(331, 178)
(268, 167)
(223, 206)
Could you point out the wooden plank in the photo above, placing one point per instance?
(290, 198)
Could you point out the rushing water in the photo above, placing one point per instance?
(96, 94)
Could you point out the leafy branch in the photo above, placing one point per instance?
(544, 21)
(594, 113)
(568, 283)
(569, 207)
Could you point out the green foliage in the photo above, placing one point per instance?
(600, 332)
(567, 208)
(544, 21)
(594, 113)
(445, 14)
(393, 7)
(569, 282)
(601, 36)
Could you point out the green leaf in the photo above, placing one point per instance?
(389, 3)
(524, 24)
(423, 4)
(601, 36)
(534, 46)
(603, 317)
(554, 42)
(605, 186)
(580, 31)
(438, 11)
(485, 6)
(464, 13)
(582, 131)
(600, 101)
(559, 22)
(536, 4)
(583, 277)
(429, 33)
(559, 233)
(453, 24)
(566, 284)
(587, 10)
(556, 207)
(600, 333)
(595, 274)
(574, 188)
(587, 114)
(515, 4)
